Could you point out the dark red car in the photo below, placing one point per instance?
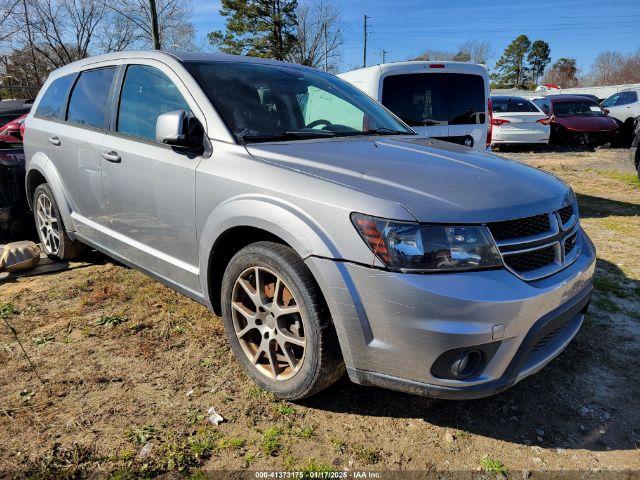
(577, 120)
(12, 133)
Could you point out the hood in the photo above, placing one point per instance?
(436, 181)
(587, 124)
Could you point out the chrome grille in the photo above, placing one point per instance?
(538, 246)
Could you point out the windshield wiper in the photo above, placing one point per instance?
(288, 135)
(383, 131)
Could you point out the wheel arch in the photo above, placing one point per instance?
(240, 222)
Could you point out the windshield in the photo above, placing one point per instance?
(584, 107)
(262, 103)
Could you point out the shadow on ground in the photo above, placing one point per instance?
(598, 207)
(581, 400)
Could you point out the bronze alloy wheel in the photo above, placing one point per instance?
(268, 324)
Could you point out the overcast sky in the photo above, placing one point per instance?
(574, 28)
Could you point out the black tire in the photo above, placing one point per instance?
(322, 364)
(67, 248)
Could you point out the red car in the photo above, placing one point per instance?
(12, 133)
(577, 120)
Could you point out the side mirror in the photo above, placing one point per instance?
(606, 110)
(170, 128)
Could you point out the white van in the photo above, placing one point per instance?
(444, 100)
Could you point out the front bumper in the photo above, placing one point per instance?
(392, 327)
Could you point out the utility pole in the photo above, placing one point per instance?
(384, 55)
(155, 34)
(326, 49)
(364, 50)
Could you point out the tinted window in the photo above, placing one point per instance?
(568, 108)
(436, 99)
(499, 104)
(626, 98)
(54, 98)
(466, 97)
(518, 105)
(146, 94)
(88, 102)
(418, 99)
(544, 105)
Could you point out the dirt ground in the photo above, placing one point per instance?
(129, 369)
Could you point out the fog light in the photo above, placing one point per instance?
(466, 364)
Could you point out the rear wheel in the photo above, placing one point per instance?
(277, 322)
(53, 236)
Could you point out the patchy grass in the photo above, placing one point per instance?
(111, 320)
(608, 285)
(496, 467)
(141, 435)
(366, 455)
(312, 468)
(271, 441)
(628, 178)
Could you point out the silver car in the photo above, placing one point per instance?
(326, 234)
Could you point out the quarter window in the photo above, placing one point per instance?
(90, 96)
(627, 98)
(54, 99)
(146, 94)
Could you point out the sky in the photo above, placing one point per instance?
(579, 29)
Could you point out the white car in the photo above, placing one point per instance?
(442, 100)
(624, 106)
(517, 120)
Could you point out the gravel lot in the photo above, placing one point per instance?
(129, 370)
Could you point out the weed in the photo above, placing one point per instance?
(7, 310)
(206, 363)
(367, 456)
(307, 431)
(25, 395)
(249, 458)
(490, 465)
(235, 443)
(312, 467)
(285, 409)
(111, 320)
(338, 445)
(186, 453)
(43, 339)
(179, 329)
(195, 416)
(289, 462)
(271, 441)
(141, 435)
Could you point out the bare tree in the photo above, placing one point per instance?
(476, 51)
(614, 68)
(318, 35)
(441, 55)
(174, 25)
(8, 8)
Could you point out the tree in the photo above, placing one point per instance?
(511, 67)
(539, 57)
(474, 51)
(259, 28)
(318, 35)
(563, 73)
(437, 55)
(614, 68)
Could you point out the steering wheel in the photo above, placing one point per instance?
(320, 121)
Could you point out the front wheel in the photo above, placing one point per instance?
(277, 322)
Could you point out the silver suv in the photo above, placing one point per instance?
(322, 229)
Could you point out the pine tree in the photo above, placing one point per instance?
(259, 28)
(512, 67)
(539, 57)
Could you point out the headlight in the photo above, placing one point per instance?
(409, 246)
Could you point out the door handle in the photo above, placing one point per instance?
(112, 157)
(55, 141)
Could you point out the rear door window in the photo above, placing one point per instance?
(418, 99)
(54, 99)
(466, 99)
(436, 99)
(627, 98)
(90, 96)
(146, 94)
